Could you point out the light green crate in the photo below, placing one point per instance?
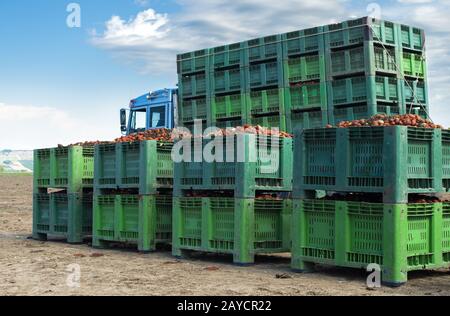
(144, 220)
(398, 237)
(241, 227)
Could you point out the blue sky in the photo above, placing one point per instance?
(63, 85)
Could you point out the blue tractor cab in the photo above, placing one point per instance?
(156, 109)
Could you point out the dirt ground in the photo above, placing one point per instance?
(31, 267)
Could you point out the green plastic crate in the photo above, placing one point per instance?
(268, 74)
(369, 90)
(265, 48)
(146, 166)
(415, 92)
(229, 56)
(357, 31)
(141, 219)
(228, 123)
(411, 37)
(228, 106)
(368, 59)
(303, 42)
(241, 227)
(266, 102)
(398, 237)
(305, 68)
(70, 168)
(413, 65)
(270, 121)
(62, 215)
(190, 110)
(193, 85)
(254, 163)
(307, 119)
(228, 80)
(394, 161)
(193, 62)
(305, 96)
(42, 168)
(361, 112)
(188, 172)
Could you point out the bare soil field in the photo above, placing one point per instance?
(31, 267)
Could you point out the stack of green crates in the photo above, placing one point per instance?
(62, 193)
(218, 206)
(392, 162)
(133, 194)
(307, 78)
(374, 67)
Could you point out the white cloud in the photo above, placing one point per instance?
(151, 40)
(31, 127)
(147, 26)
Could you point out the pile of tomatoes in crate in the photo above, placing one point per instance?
(411, 120)
(159, 134)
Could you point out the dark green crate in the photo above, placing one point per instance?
(277, 121)
(144, 220)
(242, 227)
(306, 119)
(412, 37)
(415, 92)
(228, 123)
(188, 172)
(394, 161)
(369, 90)
(265, 48)
(398, 237)
(62, 215)
(42, 168)
(368, 59)
(228, 80)
(70, 168)
(190, 110)
(146, 166)
(268, 74)
(303, 42)
(193, 85)
(228, 106)
(262, 164)
(266, 102)
(308, 95)
(362, 112)
(304, 68)
(193, 62)
(234, 55)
